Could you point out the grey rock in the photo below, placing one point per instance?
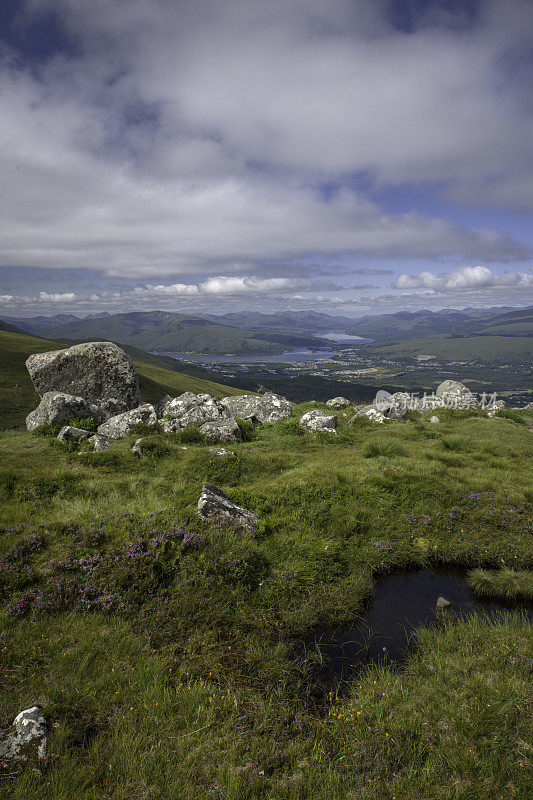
(456, 395)
(99, 443)
(442, 603)
(269, 407)
(370, 412)
(119, 426)
(338, 402)
(100, 372)
(59, 406)
(71, 434)
(434, 419)
(318, 421)
(225, 430)
(215, 506)
(190, 409)
(25, 743)
(136, 449)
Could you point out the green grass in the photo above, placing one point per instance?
(505, 583)
(160, 647)
(18, 397)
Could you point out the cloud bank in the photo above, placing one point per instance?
(175, 142)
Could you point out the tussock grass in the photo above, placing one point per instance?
(160, 647)
(505, 583)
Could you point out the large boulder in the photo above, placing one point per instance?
(318, 421)
(190, 409)
(119, 426)
(225, 430)
(98, 371)
(59, 406)
(25, 743)
(338, 403)
(215, 506)
(268, 408)
(456, 395)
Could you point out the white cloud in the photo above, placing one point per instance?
(6, 298)
(464, 278)
(190, 137)
(65, 297)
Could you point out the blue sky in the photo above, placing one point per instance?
(350, 156)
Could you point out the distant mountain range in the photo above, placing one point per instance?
(252, 333)
(383, 327)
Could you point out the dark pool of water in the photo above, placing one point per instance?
(401, 603)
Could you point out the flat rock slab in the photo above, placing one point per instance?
(215, 506)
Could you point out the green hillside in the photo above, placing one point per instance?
(18, 397)
(162, 331)
(161, 648)
(487, 348)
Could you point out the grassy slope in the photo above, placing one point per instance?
(18, 397)
(194, 692)
(494, 347)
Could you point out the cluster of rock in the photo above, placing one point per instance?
(98, 380)
(24, 743)
(450, 394)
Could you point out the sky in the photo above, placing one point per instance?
(346, 156)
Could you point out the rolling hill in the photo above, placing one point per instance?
(163, 331)
(18, 397)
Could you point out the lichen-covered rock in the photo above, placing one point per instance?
(225, 430)
(456, 395)
(338, 402)
(25, 743)
(269, 407)
(318, 421)
(215, 506)
(137, 449)
(99, 443)
(190, 409)
(69, 433)
(371, 413)
(119, 426)
(100, 372)
(59, 406)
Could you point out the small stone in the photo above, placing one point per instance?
(136, 449)
(26, 742)
(434, 419)
(71, 434)
(215, 506)
(442, 602)
(315, 421)
(338, 403)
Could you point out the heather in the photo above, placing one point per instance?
(161, 647)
